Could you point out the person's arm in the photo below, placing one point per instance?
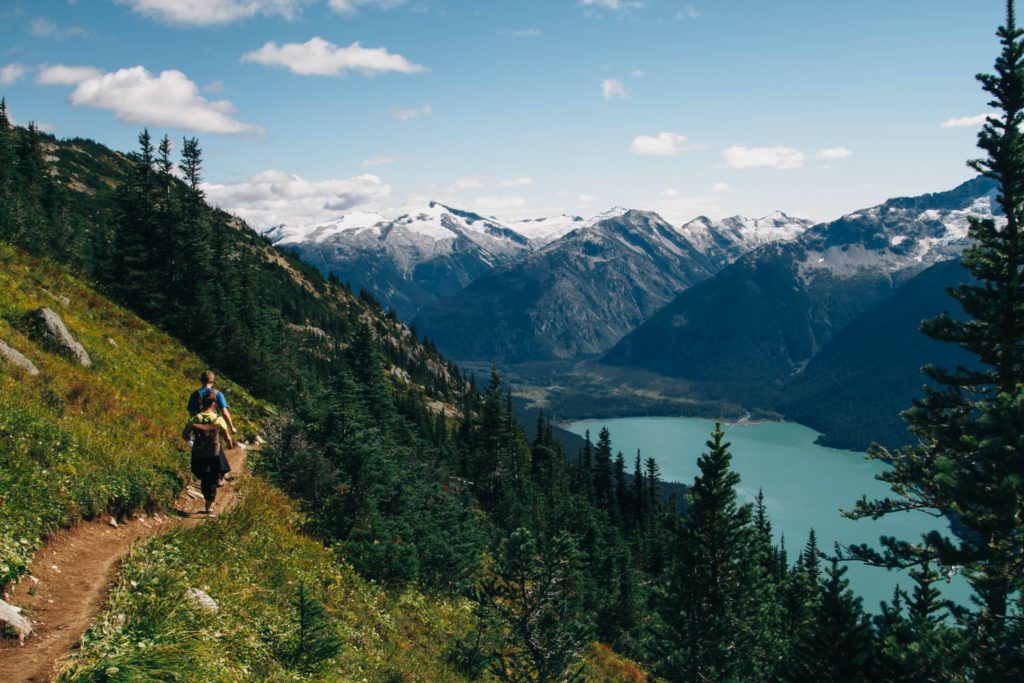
(222, 408)
(187, 432)
(227, 418)
(227, 435)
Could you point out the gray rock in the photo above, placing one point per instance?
(15, 358)
(54, 328)
(202, 600)
(10, 615)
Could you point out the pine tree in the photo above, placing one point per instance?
(839, 647)
(535, 588)
(604, 490)
(316, 637)
(969, 462)
(715, 592)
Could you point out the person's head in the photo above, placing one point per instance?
(207, 377)
(207, 401)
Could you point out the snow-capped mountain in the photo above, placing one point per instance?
(762, 319)
(436, 250)
(726, 240)
(572, 298)
(410, 260)
(542, 231)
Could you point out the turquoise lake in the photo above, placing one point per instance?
(804, 485)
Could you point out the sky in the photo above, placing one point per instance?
(308, 109)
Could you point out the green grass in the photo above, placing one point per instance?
(79, 442)
(251, 561)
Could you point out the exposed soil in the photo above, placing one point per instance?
(73, 571)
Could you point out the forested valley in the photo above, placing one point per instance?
(418, 475)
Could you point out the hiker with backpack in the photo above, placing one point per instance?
(208, 379)
(207, 429)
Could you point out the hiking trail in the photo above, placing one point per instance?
(71, 575)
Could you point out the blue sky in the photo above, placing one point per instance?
(309, 108)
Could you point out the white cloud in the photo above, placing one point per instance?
(12, 73)
(350, 7)
(781, 158)
(522, 33)
(966, 121)
(274, 197)
(318, 57)
(663, 144)
(670, 193)
(170, 99)
(468, 183)
(585, 199)
(834, 153)
(611, 88)
(614, 5)
(381, 161)
(720, 187)
(61, 74)
(41, 28)
(637, 73)
(410, 114)
(502, 206)
(521, 181)
(213, 12)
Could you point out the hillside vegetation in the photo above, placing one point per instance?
(78, 442)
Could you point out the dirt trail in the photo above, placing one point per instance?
(73, 571)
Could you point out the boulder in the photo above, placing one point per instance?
(202, 600)
(54, 328)
(15, 358)
(10, 616)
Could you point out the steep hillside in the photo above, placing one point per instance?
(150, 242)
(80, 442)
(854, 389)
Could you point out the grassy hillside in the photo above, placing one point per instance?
(78, 442)
(252, 562)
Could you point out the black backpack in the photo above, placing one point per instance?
(206, 442)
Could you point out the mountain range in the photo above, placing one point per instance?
(749, 331)
(436, 251)
(755, 312)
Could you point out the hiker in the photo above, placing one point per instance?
(207, 429)
(208, 379)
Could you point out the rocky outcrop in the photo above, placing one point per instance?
(56, 332)
(15, 358)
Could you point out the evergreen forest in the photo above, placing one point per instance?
(418, 475)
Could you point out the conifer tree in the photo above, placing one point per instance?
(969, 462)
(604, 490)
(535, 588)
(715, 592)
(839, 647)
(316, 637)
